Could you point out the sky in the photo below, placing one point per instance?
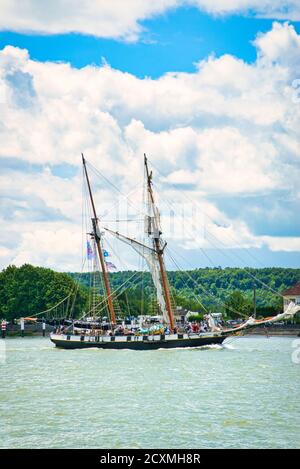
(209, 90)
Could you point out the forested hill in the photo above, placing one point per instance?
(28, 290)
(211, 283)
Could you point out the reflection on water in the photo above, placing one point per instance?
(245, 394)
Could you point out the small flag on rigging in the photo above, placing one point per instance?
(90, 253)
(105, 253)
(110, 266)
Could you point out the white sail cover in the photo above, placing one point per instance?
(290, 312)
(150, 257)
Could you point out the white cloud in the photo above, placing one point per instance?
(4, 252)
(224, 160)
(280, 9)
(228, 129)
(282, 243)
(280, 45)
(122, 18)
(60, 248)
(115, 19)
(56, 244)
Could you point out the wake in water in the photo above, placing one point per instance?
(200, 347)
(229, 346)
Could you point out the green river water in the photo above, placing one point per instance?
(245, 394)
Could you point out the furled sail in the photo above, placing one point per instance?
(289, 313)
(251, 322)
(156, 262)
(150, 257)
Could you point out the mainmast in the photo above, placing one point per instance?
(159, 249)
(97, 237)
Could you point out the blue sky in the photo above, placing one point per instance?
(174, 41)
(224, 127)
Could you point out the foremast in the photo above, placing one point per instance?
(154, 231)
(97, 238)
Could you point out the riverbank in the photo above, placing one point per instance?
(35, 329)
(279, 330)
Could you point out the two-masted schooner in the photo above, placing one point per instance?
(167, 334)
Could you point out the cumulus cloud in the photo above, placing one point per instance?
(282, 243)
(116, 19)
(223, 160)
(280, 9)
(230, 129)
(119, 18)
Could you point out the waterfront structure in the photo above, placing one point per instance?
(291, 294)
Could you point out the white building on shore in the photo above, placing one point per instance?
(291, 294)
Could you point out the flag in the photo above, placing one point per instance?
(110, 266)
(105, 253)
(90, 253)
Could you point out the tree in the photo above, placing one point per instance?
(28, 290)
(237, 303)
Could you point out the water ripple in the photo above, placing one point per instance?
(240, 395)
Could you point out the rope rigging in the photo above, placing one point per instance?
(202, 250)
(95, 308)
(205, 291)
(223, 251)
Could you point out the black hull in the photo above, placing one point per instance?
(140, 345)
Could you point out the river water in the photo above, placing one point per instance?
(245, 394)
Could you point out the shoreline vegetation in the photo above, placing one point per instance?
(28, 290)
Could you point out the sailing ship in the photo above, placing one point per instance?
(167, 334)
